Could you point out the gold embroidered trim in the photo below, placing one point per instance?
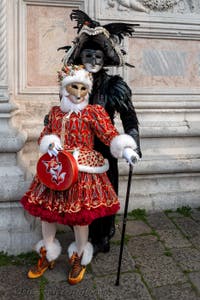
(64, 120)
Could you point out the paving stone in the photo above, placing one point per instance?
(195, 279)
(173, 238)
(196, 241)
(145, 246)
(196, 215)
(188, 258)
(63, 291)
(22, 293)
(107, 263)
(159, 270)
(130, 288)
(9, 274)
(175, 215)
(160, 221)
(117, 236)
(191, 229)
(60, 270)
(136, 227)
(175, 292)
(16, 285)
(188, 226)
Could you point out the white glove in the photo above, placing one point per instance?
(54, 148)
(130, 155)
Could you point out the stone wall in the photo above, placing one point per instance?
(165, 83)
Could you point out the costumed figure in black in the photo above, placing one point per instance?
(97, 47)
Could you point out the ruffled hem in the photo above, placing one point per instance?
(83, 217)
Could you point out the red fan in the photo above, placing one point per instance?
(57, 172)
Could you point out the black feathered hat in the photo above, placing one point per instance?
(91, 35)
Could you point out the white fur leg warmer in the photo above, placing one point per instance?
(72, 249)
(53, 249)
(87, 252)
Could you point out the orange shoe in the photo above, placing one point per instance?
(77, 271)
(42, 265)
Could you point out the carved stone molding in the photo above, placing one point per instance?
(188, 6)
(143, 5)
(160, 4)
(128, 4)
(172, 6)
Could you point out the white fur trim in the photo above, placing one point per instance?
(66, 105)
(38, 246)
(89, 169)
(48, 139)
(71, 249)
(79, 76)
(53, 249)
(120, 142)
(87, 254)
(93, 170)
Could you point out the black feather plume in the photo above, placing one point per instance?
(129, 65)
(119, 94)
(123, 51)
(82, 19)
(120, 29)
(66, 48)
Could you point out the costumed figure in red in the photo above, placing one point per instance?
(71, 129)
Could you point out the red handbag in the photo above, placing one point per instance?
(57, 172)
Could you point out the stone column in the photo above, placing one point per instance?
(18, 232)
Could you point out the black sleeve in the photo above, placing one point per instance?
(120, 96)
(46, 120)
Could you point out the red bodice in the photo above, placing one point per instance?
(78, 130)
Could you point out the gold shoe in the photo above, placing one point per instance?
(42, 265)
(77, 271)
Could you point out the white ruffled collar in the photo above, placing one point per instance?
(67, 106)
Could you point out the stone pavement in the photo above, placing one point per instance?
(161, 261)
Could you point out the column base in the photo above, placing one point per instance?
(19, 231)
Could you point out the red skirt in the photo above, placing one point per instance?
(91, 197)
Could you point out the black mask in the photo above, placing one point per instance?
(92, 57)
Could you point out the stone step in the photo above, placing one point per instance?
(166, 165)
(161, 191)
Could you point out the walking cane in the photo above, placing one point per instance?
(124, 222)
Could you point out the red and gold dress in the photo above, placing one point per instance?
(92, 196)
